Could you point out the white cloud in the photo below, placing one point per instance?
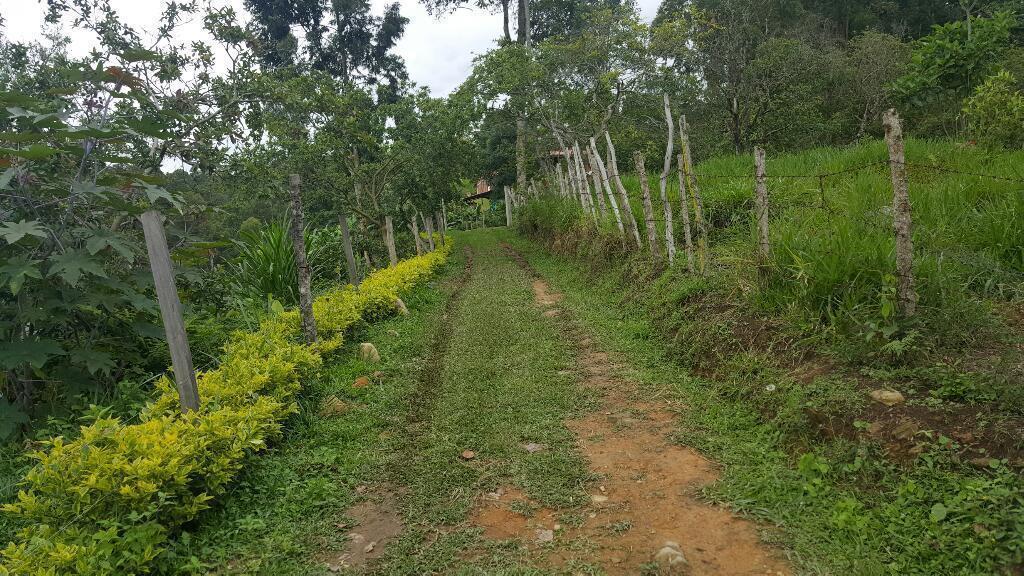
(438, 52)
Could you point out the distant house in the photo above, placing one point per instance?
(482, 190)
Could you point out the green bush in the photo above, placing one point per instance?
(995, 112)
(108, 501)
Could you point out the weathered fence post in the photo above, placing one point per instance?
(299, 247)
(901, 214)
(645, 189)
(428, 222)
(684, 207)
(595, 176)
(627, 208)
(350, 258)
(414, 227)
(694, 187)
(581, 177)
(440, 227)
(389, 239)
(508, 209)
(670, 241)
(559, 177)
(761, 203)
(444, 222)
(170, 310)
(603, 171)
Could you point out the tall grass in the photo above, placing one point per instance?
(832, 236)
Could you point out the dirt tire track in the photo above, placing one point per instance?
(645, 497)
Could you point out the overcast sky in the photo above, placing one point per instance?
(437, 52)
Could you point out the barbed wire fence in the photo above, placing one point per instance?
(894, 217)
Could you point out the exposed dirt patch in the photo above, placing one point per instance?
(375, 523)
(645, 493)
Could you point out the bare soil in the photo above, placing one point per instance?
(645, 494)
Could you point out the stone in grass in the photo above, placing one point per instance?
(887, 397)
(400, 306)
(670, 559)
(361, 382)
(332, 406)
(368, 352)
(544, 535)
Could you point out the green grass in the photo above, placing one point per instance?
(843, 507)
(473, 367)
(832, 237)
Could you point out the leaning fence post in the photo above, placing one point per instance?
(603, 171)
(670, 241)
(350, 257)
(694, 187)
(645, 189)
(170, 310)
(389, 239)
(627, 208)
(299, 247)
(901, 214)
(684, 211)
(761, 203)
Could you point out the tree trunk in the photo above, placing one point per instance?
(645, 190)
(389, 239)
(299, 247)
(670, 241)
(350, 258)
(521, 154)
(761, 203)
(170, 311)
(603, 171)
(504, 21)
(627, 208)
(901, 214)
(684, 211)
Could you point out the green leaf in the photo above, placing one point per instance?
(72, 264)
(10, 419)
(103, 238)
(155, 193)
(938, 512)
(6, 177)
(16, 270)
(14, 231)
(140, 55)
(33, 152)
(94, 360)
(33, 352)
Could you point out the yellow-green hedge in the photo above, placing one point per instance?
(107, 502)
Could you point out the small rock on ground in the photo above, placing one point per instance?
(887, 397)
(368, 352)
(670, 559)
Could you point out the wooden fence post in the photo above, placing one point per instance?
(170, 310)
(694, 187)
(389, 239)
(684, 211)
(645, 189)
(439, 218)
(627, 208)
(428, 222)
(414, 227)
(901, 214)
(559, 177)
(508, 209)
(603, 171)
(581, 178)
(761, 202)
(670, 241)
(444, 221)
(299, 247)
(595, 176)
(350, 257)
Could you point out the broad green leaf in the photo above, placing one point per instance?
(139, 55)
(155, 193)
(33, 152)
(93, 360)
(103, 238)
(32, 352)
(6, 177)
(14, 231)
(16, 270)
(938, 513)
(72, 264)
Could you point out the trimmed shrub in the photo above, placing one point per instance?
(107, 502)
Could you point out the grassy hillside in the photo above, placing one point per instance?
(824, 304)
